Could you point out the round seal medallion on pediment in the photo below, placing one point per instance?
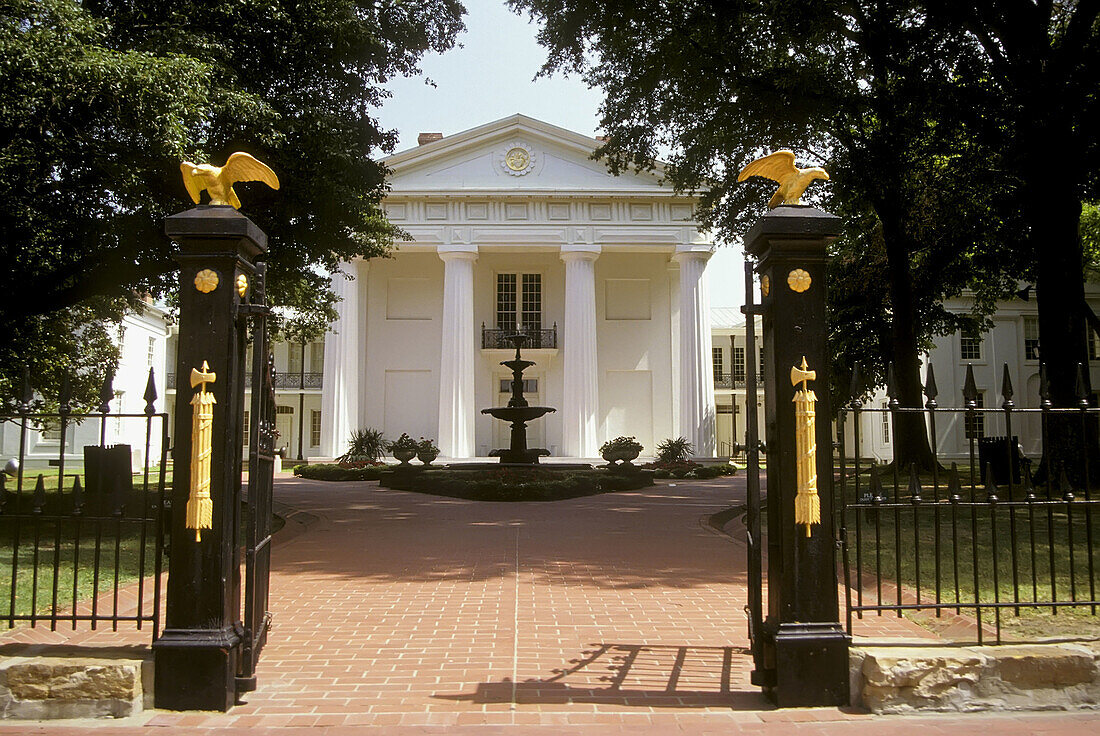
(518, 159)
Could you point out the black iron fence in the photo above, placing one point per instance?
(81, 531)
(496, 339)
(282, 380)
(995, 533)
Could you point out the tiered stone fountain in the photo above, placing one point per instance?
(518, 412)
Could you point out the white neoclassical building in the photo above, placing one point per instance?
(512, 223)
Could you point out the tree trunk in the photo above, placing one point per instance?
(1053, 214)
(910, 429)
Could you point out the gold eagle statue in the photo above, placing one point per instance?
(779, 167)
(219, 181)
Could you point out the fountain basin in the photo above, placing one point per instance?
(518, 413)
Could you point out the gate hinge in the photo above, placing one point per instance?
(755, 309)
(253, 310)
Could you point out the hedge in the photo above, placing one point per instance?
(329, 471)
(509, 484)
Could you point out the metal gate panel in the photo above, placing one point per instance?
(261, 472)
(753, 540)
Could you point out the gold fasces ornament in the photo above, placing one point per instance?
(807, 504)
(780, 168)
(765, 285)
(200, 507)
(242, 285)
(219, 181)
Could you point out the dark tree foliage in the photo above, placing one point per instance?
(100, 100)
(871, 90)
(1043, 58)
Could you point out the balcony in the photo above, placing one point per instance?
(494, 339)
(283, 381)
(729, 380)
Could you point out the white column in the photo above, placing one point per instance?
(340, 380)
(580, 400)
(456, 367)
(696, 370)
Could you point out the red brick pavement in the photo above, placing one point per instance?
(600, 615)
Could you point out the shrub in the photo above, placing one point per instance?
(333, 472)
(404, 442)
(364, 444)
(674, 450)
(621, 443)
(688, 469)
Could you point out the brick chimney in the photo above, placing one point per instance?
(428, 138)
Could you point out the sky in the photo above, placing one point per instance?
(492, 75)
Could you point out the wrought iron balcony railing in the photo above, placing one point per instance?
(282, 380)
(494, 339)
(729, 380)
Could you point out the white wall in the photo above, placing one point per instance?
(634, 347)
(403, 299)
(129, 385)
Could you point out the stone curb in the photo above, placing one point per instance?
(46, 688)
(1011, 677)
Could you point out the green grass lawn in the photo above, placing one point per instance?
(73, 543)
(51, 479)
(902, 545)
(120, 548)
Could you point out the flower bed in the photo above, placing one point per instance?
(515, 484)
(688, 469)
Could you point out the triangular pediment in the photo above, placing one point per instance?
(514, 153)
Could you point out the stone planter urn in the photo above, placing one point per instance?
(620, 456)
(427, 456)
(404, 456)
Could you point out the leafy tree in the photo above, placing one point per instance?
(1090, 239)
(1043, 58)
(870, 89)
(100, 100)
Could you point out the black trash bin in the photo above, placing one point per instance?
(999, 453)
(108, 479)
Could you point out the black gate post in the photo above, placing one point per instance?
(805, 648)
(196, 658)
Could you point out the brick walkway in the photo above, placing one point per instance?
(604, 614)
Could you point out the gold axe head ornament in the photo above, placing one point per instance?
(219, 181)
(204, 376)
(798, 375)
(779, 167)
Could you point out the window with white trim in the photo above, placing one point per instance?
(530, 385)
(970, 348)
(975, 423)
(738, 363)
(294, 357)
(1031, 338)
(317, 357)
(315, 428)
(886, 423)
(716, 359)
(151, 353)
(519, 301)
